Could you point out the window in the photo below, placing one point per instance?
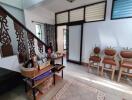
(88, 13)
(39, 31)
(122, 9)
(62, 18)
(95, 12)
(76, 15)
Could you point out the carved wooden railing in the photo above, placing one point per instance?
(24, 37)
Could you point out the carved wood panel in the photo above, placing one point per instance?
(20, 38)
(31, 45)
(4, 35)
(5, 40)
(40, 46)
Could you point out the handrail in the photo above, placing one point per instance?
(23, 26)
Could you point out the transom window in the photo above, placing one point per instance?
(88, 13)
(122, 9)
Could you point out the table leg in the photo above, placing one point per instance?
(54, 78)
(62, 74)
(25, 86)
(34, 97)
(62, 60)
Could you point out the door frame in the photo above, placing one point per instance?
(81, 43)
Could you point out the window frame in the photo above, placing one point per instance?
(112, 10)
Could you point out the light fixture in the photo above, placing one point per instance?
(70, 1)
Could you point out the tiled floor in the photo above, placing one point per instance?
(113, 90)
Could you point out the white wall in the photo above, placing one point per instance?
(115, 33)
(16, 12)
(30, 3)
(14, 3)
(60, 38)
(39, 15)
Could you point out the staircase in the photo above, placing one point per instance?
(17, 43)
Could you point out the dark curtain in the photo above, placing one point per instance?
(50, 35)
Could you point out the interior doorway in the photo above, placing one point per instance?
(62, 38)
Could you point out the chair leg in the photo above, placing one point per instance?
(113, 72)
(98, 68)
(102, 70)
(89, 65)
(119, 76)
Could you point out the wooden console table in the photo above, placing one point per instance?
(32, 83)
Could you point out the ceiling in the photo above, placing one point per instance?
(61, 5)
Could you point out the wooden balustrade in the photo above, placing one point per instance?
(19, 28)
(40, 47)
(31, 44)
(5, 39)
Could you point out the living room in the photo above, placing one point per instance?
(90, 38)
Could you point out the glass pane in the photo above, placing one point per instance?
(74, 42)
(39, 31)
(64, 39)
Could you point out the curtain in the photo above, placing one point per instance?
(50, 35)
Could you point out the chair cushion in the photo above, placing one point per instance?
(127, 64)
(95, 58)
(109, 61)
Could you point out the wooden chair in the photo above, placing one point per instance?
(109, 59)
(95, 58)
(125, 64)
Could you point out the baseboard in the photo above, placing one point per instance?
(85, 64)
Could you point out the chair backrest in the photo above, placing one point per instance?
(126, 54)
(110, 52)
(96, 50)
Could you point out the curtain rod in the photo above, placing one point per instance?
(38, 22)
